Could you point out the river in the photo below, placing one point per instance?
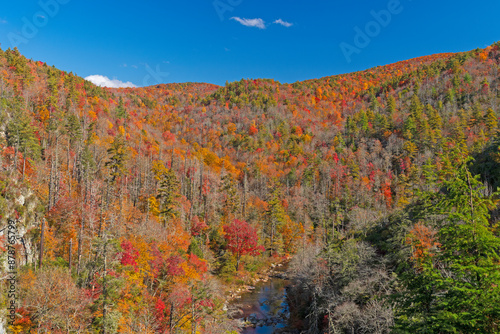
(264, 309)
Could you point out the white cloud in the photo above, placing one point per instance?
(283, 23)
(258, 23)
(2, 21)
(102, 81)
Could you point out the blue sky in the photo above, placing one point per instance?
(151, 42)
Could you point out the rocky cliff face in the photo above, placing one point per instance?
(19, 203)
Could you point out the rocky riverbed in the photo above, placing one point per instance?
(262, 308)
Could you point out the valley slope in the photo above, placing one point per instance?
(156, 194)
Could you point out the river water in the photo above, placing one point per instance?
(265, 307)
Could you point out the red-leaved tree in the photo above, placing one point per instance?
(241, 240)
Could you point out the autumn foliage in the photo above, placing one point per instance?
(423, 242)
(241, 240)
(153, 192)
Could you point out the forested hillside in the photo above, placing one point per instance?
(136, 208)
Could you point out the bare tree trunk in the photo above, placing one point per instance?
(16, 149)
(42, 237)
(80, 239)
(104, 293)
(205, 208)
(24, 163)
(245, 191)
(25, 251)
(201, 185)
(171, 320)
(238, 259)
(68, 168)
(101, 218)
(193, 324)
(272, 236)
(120, 199)
(51, 184)
(69, 251)
(56, 173)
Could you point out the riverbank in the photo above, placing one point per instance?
(275, 270)
(261, 307)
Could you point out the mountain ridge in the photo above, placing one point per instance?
(145, 190)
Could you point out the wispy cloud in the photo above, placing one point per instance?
(2, 21)
(257, 23)
(283, 23)
(102, 81)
